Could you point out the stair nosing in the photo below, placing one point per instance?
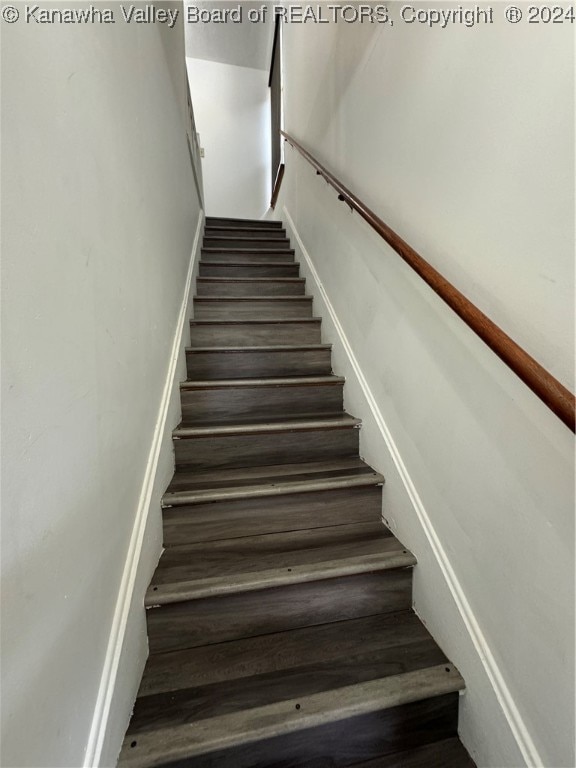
(249, 252)
(235, 237)
(212, 227)
(264, 490)
(241, 321)
(248, 726)
(210, 278)
(242, 248)
(253, 298)
(266, 427)
(243, 232)
(266, 348)
(234, 218)
(202, 262)
(272, 381)
(208, 238)
(248, 236)
(254, 581)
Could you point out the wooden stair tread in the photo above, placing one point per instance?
(255, 421)
(209, 234)
(251, 235)
(303, 425)
(254, 330)
(228, 360)
(247, 268)
(263, 280)
(228, 260)
(230, 285)
(251, 224)
(211, 221)
(211, 228)
(230, 235)
(239, 491)
(254, 264)
(173, 742)
(397, 634)
(241, 308)
(256, 400)
(291, 476)
(190, 497)
(186, 487)
(271, 226)
(288, 381)
(253, 298)
(223, 445)
(247, 321)
(257, 424)
(263, 348)
(301, 485)
(226, 566)
(242, 227)
(217, 679)
(238, 251)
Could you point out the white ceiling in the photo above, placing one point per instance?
(244, 44)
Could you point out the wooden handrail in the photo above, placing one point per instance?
(554, 394)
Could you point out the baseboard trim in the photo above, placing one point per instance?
(503, 695)
(118, 630)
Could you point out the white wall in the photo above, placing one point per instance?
(100, 212)
(232, 108)
(447, 136)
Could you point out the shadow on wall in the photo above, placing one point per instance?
(347, 50)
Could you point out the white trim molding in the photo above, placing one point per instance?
(504, 697)
(108, 680)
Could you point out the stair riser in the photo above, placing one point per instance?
(236, 404)
(265, 448)
(230, 309)
(203, 366)
(254, 516)
(247, 242)
(377, 737)
(220, 269)
(215, 221)
(249, 288)
(247, 257)
(256, 233)
(243, 335)
(221, 619)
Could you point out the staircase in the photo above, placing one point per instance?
(279, 618)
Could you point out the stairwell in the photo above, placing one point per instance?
(280, 624)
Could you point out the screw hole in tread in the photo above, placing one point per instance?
(133, 743)
(297, 706)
